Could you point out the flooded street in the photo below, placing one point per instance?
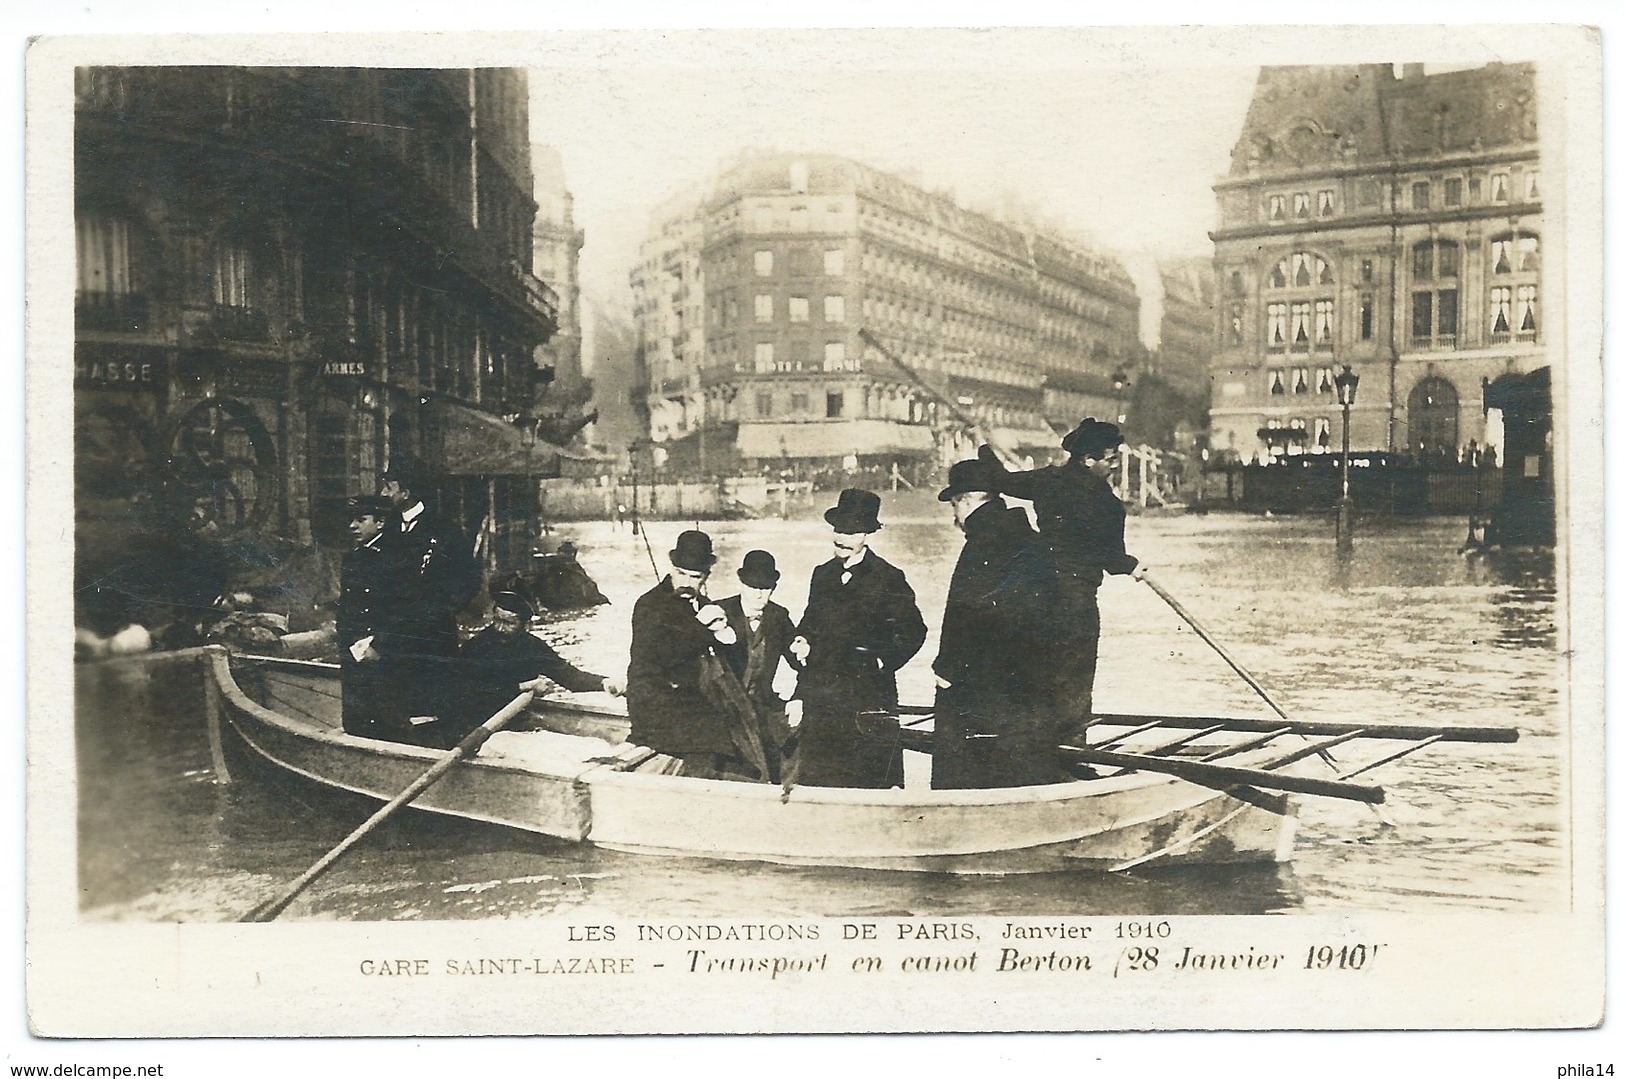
(1406, 631)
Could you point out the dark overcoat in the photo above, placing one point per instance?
(754, 658)
(995, 725)
(439, 558)
(664, 701)
(860, 633)
(376, 598)
(490, 666)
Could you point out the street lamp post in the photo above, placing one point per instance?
(1119, 388)
(1347, 383)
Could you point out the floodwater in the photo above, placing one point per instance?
(1405, 630)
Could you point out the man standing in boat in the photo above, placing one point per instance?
(764, 631)
(1081, 521)
(860, 626)
(439, 562)
(995, 726)
(372, 598)
(674, 631)
(502, 659)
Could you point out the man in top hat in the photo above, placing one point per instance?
(764, 631)
(674, 629)
(1081, 521)
(995, 723)
(860, 626)
(500, 661)
(374, 597)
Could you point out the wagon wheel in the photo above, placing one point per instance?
(221, 469)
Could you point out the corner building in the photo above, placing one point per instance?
(1391, 222)
(751, 295)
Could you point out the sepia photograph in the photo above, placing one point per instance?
(650, 521)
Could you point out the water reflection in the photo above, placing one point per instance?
(1404, 630)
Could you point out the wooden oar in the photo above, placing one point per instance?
(269, 909)
(1201, 631)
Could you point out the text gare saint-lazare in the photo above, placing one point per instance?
(1121, 947)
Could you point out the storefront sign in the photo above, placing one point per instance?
(344, 367)
(116, 374)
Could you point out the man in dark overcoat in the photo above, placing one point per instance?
(1081, 521)
(374, 595)
(861, 624)
(995, 724)
(764, 631)
(437, 557)
(501, 661)
(674, 630)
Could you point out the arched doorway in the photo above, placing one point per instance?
(1433, 416)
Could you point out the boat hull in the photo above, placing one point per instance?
(571, 785)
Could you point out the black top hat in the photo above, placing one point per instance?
(856, 511)
(972, 475)
(1092, 438)
(514, 603)
(758, 570)
(370, 505)
(693, 551)
(408, 473)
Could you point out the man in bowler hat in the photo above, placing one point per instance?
(860, 626)
(674, 630)
(375, 598)
(764, 631)
(1081, 522)
(995, 723)
(501, 660)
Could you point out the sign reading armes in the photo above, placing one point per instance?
(344, 367)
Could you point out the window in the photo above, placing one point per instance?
(764, 404)
(1531, 186)
(798, 309)
(1277, 207)
(798, 404)
(1422, 317)
(764, 264)
(1237, 309)
(1449, 257)
(834, 404)
(1325, 381)
(104, 255)
(1277, 325)
(1366, 270)
(1422, 262)
(1525, 312)
(231, 275)
(1475, 188)
(1452, 192)
(1323, 434)
(834, 263)
(1277, 376)
(1500, 314)
(1420, 192)
(764, 356)
(1323, 323)
(1300, 325)
(764, 307)
(1300, 205)
(1326, 202)
(1368, 305)
(835, 356)
(834, 308)
(1300, 380)
(1447, 316)
(1498, 187)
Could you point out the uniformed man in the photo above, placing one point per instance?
(372, 596)
(861, 624)
(1081, 521)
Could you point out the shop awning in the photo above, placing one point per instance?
(1026, 439)
(836, 439)
(478, 443)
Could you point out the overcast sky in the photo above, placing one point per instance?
(1125, 154)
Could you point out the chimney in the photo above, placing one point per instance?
(1410, 72)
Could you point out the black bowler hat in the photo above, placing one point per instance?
(514, 603)
(857, 511)
(693, 551)
(406, 472)
(758, 570)
(972, 475)
(1092, 438)
(370, 505)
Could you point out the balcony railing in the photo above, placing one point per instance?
(238, 323)
(111, 311)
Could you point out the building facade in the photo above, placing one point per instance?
(288, 278)
(1390, 222)
(557, 262)
(751, 296)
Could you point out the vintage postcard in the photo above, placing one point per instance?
(753, 531)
